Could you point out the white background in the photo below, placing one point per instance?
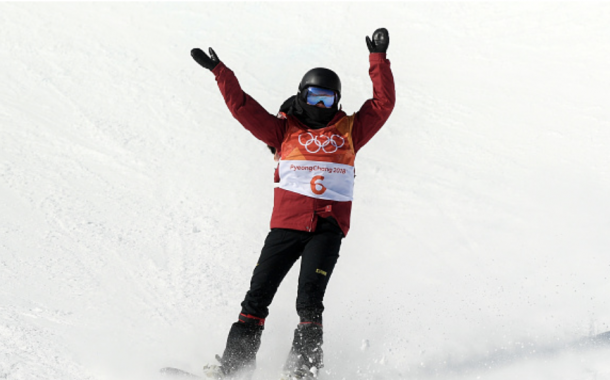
(133, 206)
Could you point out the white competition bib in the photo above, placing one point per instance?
(322, 180)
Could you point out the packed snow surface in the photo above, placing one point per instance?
(133, 206)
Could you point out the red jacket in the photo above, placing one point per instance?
(292, 210)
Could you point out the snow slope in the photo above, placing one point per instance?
(133, 207)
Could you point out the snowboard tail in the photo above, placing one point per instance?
(176, 372)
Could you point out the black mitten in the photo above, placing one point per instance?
(381, 41)
(203, 59)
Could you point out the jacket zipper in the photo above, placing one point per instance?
(313, 215)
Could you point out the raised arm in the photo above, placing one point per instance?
(263, 125)
(375, 112)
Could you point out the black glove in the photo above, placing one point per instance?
(203, 59)
(381, 40)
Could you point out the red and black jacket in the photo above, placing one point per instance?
(292, 210)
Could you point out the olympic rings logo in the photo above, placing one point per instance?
(313, 144)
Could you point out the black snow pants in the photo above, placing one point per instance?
(319, 251)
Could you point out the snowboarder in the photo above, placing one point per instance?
(317, 144)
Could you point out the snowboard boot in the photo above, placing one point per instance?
(306, 355)
(243, 342)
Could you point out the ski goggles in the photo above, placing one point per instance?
(316, 95)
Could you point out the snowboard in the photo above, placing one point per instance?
(176, 372)
(181, 374)
(209, 372)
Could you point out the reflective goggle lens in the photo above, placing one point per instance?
(316, 95)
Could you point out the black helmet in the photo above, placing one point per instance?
(321, 77)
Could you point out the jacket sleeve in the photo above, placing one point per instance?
(264, 126)
(376, 111)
